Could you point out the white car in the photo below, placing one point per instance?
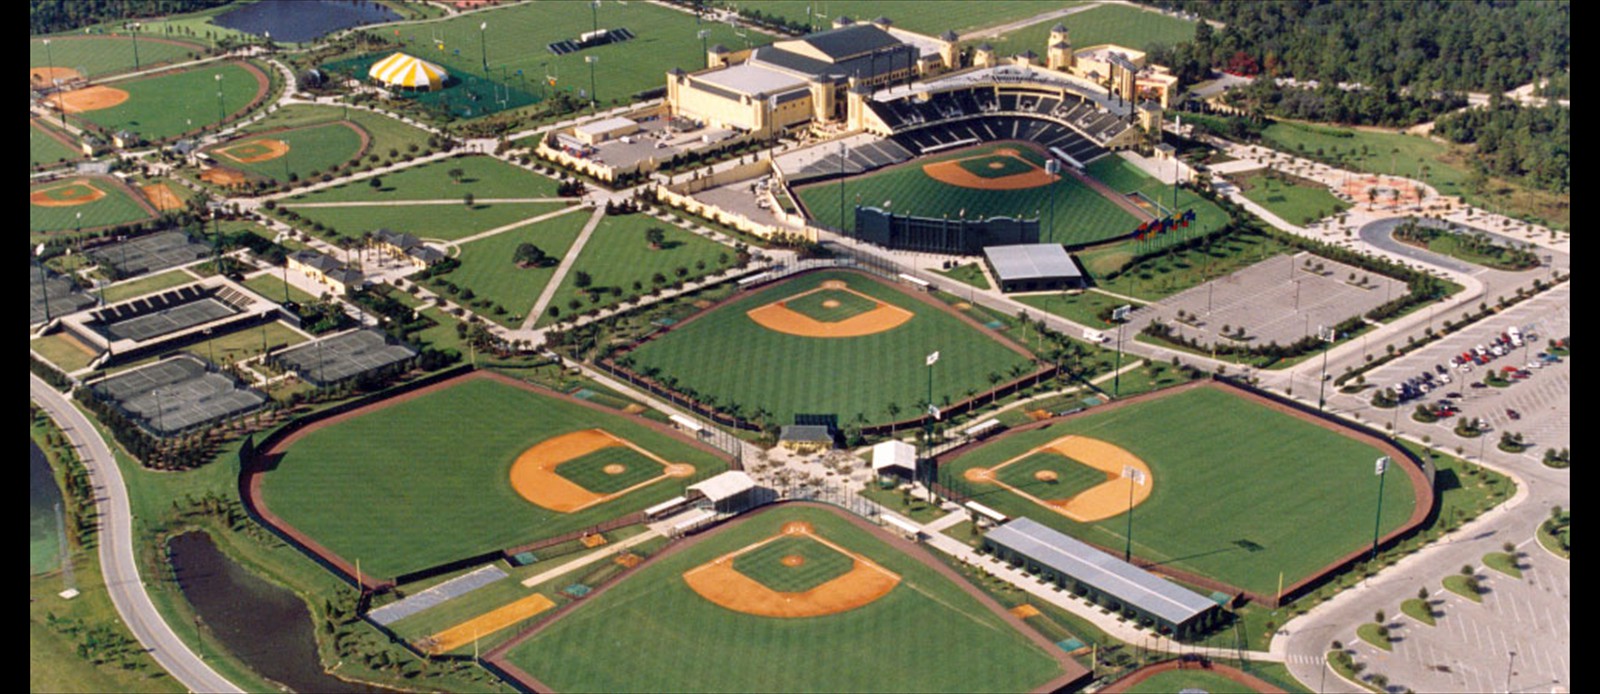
(1464, 368)
(1444, 378)
(1535, 364)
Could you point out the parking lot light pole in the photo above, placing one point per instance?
(1381, 466)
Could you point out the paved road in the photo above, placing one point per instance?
(117, 563)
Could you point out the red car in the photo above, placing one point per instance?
(1508, 369)
(1513, 414)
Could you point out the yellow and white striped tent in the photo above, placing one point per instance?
(401, 70)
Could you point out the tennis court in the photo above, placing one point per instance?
(151, 253)
(144, 326)
(178, 394)
(62, 296)
(343, 356)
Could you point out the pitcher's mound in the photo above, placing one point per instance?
(796, 528)
(830, 303)
(679, 470)
(793, 560)
(613, 469)
(1046, 476)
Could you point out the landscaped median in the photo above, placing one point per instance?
(1375, 634)
(1504, 562)
(1418, 609)
(1464, 586)
(1345, 666)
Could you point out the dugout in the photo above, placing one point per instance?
(1101, 578)
(942, 235)
(1033, 267)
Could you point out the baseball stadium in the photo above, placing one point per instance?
(1227, 489)
(519, 464)
(797, 597)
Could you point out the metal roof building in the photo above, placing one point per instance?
(1071, 563)
(1033, 267)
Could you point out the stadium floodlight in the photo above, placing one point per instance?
(1119, 315)
(704, 34)
(1134, 476)
(594, 97)
(1381, 466)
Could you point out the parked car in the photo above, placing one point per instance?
(1478, 384)
(1457, 396)
(1513, 413)
(1444, 378)
(1439, 368)
(1535, 364)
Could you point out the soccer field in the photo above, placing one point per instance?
(1240, 491)
(426, 480)
(1080, 215)
(872, 378)
(675, 639)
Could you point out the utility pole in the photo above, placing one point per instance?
(1119, 315)
(483, 46)
(1381, 466)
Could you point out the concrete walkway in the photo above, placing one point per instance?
(570, 259)
(408, 203)
(514, 225)
(603, 553)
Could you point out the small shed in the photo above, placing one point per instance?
(605, 130)
(805, 438)
(729, 492)
(894, 458)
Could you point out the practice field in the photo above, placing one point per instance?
(298, 151)
(483, 176)
(617, 255)
(98, 56)
(427, 478)
(172, 103)
(47, 147)
(877, 377)
(932, 18)
(944, 185)
(1237, 491)
(1126, 178)
(101, 202)
(1123, 25)
(387, 133)
(676, 638)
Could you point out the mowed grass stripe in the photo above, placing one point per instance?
(171, 103)
(1225, 470)
(728, 356)
(821, 564)
(589, 470)
(117, 207)
(448, 222)
(1072, 477)
(489, 269)
(850, 304)
(427, 480)
(618, 255)
(483, 176)
(1081, 215)
(674, 640)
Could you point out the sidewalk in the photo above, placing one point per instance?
(603, 553)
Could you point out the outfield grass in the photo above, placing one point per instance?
(1122, 25)
(1206, 449)
(726, 355)
(488, 268)
(588, 471)
(426, 481)
(386, 133)
(98, 56)
(1081, 215)
(315, 148)
(145, 285)
(1079, 307)
(971, 274)
(173, 103)
(448, 222)
(644, 617)
(1297, 200)
(117, 207)
(1167, 274)
(932, 18)
(46, 150)
(1124, 177)
(1184, 680)
(517, 36)
(483, 176)
(617, 255)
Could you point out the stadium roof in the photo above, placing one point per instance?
(1031, 261)
(725, 485)
(755, 80)
(1111, 575)
(849, 41)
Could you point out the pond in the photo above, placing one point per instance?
(267, 627)
(297, 21)
(44, 534)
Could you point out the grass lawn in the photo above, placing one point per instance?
(448, 222)
(1296, 200)
(1126, 26)
(1369, 633)
(172, 103)
(483, 176)
(270, 285)
(46, 150)
(727, 355)
(971, 273)
(644, 617)
(1079, 307)
(1504, 563)
(447, 457)
(145, 285)
(314, 148)
(1184, 680)
(1556, 534)
(117, 207)
(488, 270)
(62, 351)
(1164, 275)
(917, 510)
(1124, 177)
(517, 36)
(1081, 214)
(1418, 609)
(1156, 376)
(1204, 474)
(97, 56)
(930, 18)
(1458, 585)
(387, 133)
(1452, 245)
(617, 255)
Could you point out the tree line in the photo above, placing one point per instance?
(50, 16)
(1533, 145)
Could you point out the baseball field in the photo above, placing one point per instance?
(49, 147)
(812, 345)
(169, 103)
(296, 151)
(97, 56)
(470, 466)
(85, 202)
(996, 179)
(1234, 490)
(792, 599)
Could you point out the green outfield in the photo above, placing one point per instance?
(173, 103)
(391, 139)
(97, 56)
(427, 480)
(618, 255)
(311, 149)
(1241, 492)
(1124, 177)
(449, 220)
(931, 18)
(44, 150)
(483, 176)
(1186, 680)
(516, 38)
(1122, 25)
(116, 207)
(675, 640)
(1050, 475)
(872, 378)
(589, 471)
(489, 268)
(1296, 200)
(1080, 214)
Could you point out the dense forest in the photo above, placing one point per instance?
(1521, 143)
(50, 16)
(1427, 46)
